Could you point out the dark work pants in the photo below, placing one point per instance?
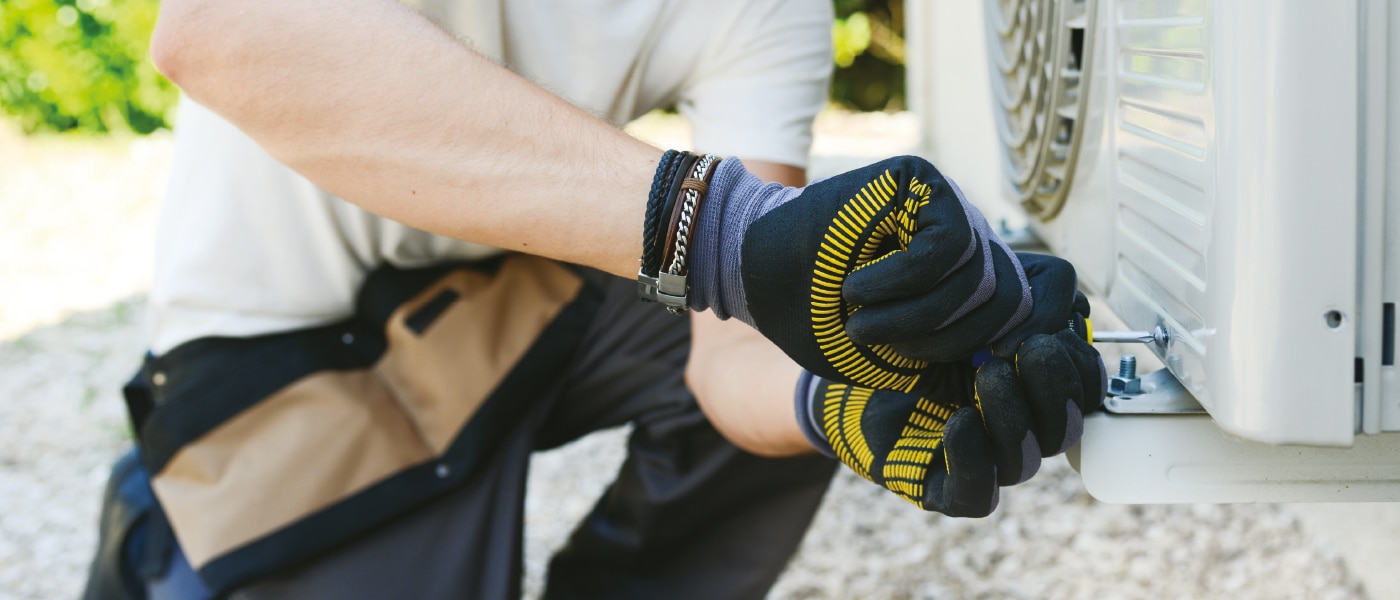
(688, 515)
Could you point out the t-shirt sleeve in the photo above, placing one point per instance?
(762, 82)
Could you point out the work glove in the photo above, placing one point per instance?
(865, 278)
(930, 450)
(1033, 403)
(971, 429)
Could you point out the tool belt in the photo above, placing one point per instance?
(271, 450)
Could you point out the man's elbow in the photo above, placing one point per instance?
(168, 41)
(187, 40)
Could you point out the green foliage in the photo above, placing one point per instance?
(80, 65)
(868, 37)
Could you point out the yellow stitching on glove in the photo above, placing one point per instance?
(838, 256)
(841, 412)
(906, 467)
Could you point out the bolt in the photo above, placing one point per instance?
(1126, 382)
(1127, 366)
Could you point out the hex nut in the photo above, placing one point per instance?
(1124, 386)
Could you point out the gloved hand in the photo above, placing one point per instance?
(930, 450)
(1057, 303)
(1034, 403)
(865, 278)
(949, 448)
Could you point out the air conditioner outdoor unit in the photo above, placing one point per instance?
(1225, 170)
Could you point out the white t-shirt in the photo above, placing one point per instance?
(246, 246)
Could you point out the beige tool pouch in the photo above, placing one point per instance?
(270, 450)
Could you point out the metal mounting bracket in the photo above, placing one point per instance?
(1161, 394)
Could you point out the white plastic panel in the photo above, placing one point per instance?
(1235, 187)
(1158, 459)
(1373, 132)
(1282, 252)
(1390, 246)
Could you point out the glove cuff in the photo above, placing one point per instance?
(807, 420)
(737, 198)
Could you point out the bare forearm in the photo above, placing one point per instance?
(375, 104)
(745, 386)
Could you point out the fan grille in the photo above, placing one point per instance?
(1039, 50)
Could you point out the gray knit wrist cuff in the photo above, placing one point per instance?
(807, 419)
(736, 199)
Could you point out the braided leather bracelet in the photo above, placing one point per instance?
(673, 289)
(665, 188)
(660, 184)
(669, 169)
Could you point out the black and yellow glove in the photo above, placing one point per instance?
(871, 276)
(933, 453)
(971, 429)
(1034, 406)
(895, 240)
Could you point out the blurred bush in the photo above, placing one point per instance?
(868, 37)
(80, 65)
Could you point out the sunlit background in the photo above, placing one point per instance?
(84, 153)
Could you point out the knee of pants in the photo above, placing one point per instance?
(137, 556)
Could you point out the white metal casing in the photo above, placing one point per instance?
(1230, 185)
(1235, 158)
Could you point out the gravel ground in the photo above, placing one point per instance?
(75, 224)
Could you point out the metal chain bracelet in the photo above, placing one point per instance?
(669, 286)
(688, 216)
